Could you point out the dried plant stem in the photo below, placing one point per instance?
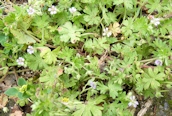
(143, 110)
(13, 72)
(148, 60)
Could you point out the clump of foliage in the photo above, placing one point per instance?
(93, 58)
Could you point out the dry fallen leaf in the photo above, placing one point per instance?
(3, 100)
(101, 61)
(17, 113)
(8, 82)
(4, 87)
(115, 29)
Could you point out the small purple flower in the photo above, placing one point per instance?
(121, 69)
(93, 84)
(30, 11)
(158, 62)
(133, 102)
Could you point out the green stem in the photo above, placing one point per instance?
(137, 13)
(36, 39)
(138, 9)
(124, 14)
(84, 90)
(32, 35)
(95, 34)
(100, 22)
(102, 25)
(43, 39)
(148, 60)
(147, 63)
(166, 37)
(4, 76)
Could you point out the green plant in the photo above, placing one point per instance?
(89, 58)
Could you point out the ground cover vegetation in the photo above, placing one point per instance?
(86, 57)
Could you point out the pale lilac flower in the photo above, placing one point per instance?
(20, 61)
(158, 62)
(93, 84)
(72, 10)
(30, 11)
(155, 21)
(30, 50)
(106, 32)
(121, 69)
(133, 102)
(52, 10)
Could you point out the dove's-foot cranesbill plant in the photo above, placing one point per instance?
(84, 57)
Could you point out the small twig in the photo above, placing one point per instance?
(15, 73)
(30, 100)
(154, 111)
(145, 66)
(143, 111)
(19, 71)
